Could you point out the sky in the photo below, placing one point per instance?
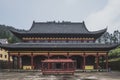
(97, 14)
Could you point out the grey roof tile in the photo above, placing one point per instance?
(59, 45)
(53, 27)
(61, 29)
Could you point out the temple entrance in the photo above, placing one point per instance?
(79, 61)
(26, 62)
(90, 61)
(37, 61)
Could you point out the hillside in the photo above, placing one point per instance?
(5, 33)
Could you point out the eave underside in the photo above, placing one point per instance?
(58, 35)
(58, 47)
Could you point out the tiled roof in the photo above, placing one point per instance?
(55, 27)
(59, 45)
(59, 29)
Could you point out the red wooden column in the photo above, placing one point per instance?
(48, 65)
(19, 64)
(84, 61)
(97, 63)
(73, 64)
(48, 55)
(42, 67)
(9, 60)
(106, 60)
(67, 65)
(32, 61)
(67, 55)
(62, 65)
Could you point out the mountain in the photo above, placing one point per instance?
(5, 33)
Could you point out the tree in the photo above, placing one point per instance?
(5, 33)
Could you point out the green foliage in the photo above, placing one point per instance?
(114, 53)
(5, 33)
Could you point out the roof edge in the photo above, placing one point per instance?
(99, 31)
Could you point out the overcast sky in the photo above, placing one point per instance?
(97, 14)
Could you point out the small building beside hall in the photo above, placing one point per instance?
(53, 42)
(4, 54)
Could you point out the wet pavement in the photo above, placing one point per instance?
(76, 76)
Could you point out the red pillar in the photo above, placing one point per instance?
(8, 60)
(19, 64)
(106, 60)
(97, 63)
(98, 59)
(42, 67)
(48, 65)
(13, 62)
(73, 65)
(52, 65)
(32, 60)
(62, 65)
(84, 61)
(67, 55)
(48, 55)
(67, 65)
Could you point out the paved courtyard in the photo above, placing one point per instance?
(76, 76)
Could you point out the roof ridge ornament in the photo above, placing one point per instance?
(83, 22)
(33, 21)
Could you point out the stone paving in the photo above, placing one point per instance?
(76, 76)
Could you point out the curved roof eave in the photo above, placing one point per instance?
(90, 32)
(94, 34)
(106, 47)
(102, 31)
(98, 33)
(18, 33)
